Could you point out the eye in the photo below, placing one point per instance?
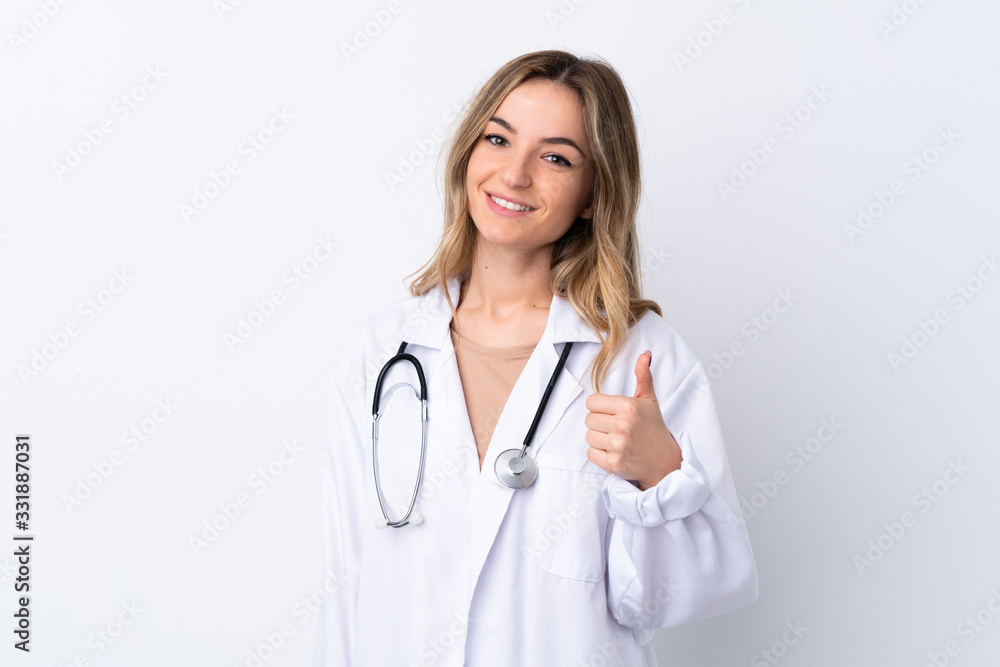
(559, 159)
(490, 137)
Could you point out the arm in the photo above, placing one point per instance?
(679, 550)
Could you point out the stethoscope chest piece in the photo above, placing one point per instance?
(516, 470)
(514, 467)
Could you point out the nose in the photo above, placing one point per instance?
(516, 171)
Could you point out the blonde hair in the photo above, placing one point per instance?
(595, 264)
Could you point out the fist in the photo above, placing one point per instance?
(627, 435)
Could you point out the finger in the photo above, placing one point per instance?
(598, 440)
(608, 404)
(598, 421)
(599, 457)
(644, 377)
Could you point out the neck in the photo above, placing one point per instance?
(504, 281)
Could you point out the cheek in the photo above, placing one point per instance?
(472, 183)
(579, 191)
(567, 188)
(479, 161)
(568, 195)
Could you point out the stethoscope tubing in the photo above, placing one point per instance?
(545, 397)
(400, 356)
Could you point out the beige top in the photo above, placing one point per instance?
(488, 375)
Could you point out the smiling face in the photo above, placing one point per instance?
(533, 155)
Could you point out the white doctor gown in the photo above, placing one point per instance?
(576, 569)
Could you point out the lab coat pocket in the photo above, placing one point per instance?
(570, 518)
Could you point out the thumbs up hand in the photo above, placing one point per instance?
(627, 435)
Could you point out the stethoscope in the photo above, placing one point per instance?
(515, 468)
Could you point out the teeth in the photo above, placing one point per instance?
(509, 205)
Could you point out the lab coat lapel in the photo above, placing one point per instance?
(488, 499)
(491, 499)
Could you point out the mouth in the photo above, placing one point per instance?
(506, 207)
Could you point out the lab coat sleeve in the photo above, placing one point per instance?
(343, 477)
(679, 551)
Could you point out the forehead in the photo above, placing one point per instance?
(541, 107)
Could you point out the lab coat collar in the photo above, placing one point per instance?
(431, 327)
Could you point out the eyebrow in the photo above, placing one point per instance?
(564, 141)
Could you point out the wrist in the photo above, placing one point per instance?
(653, 480)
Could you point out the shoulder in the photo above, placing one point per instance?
(673, 359)
(659, 335)
(372, 339)
(393, 313)
(379, 333)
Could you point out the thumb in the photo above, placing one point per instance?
(644, 377)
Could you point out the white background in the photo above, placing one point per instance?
(713, 263)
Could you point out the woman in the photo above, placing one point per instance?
(631, 521)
